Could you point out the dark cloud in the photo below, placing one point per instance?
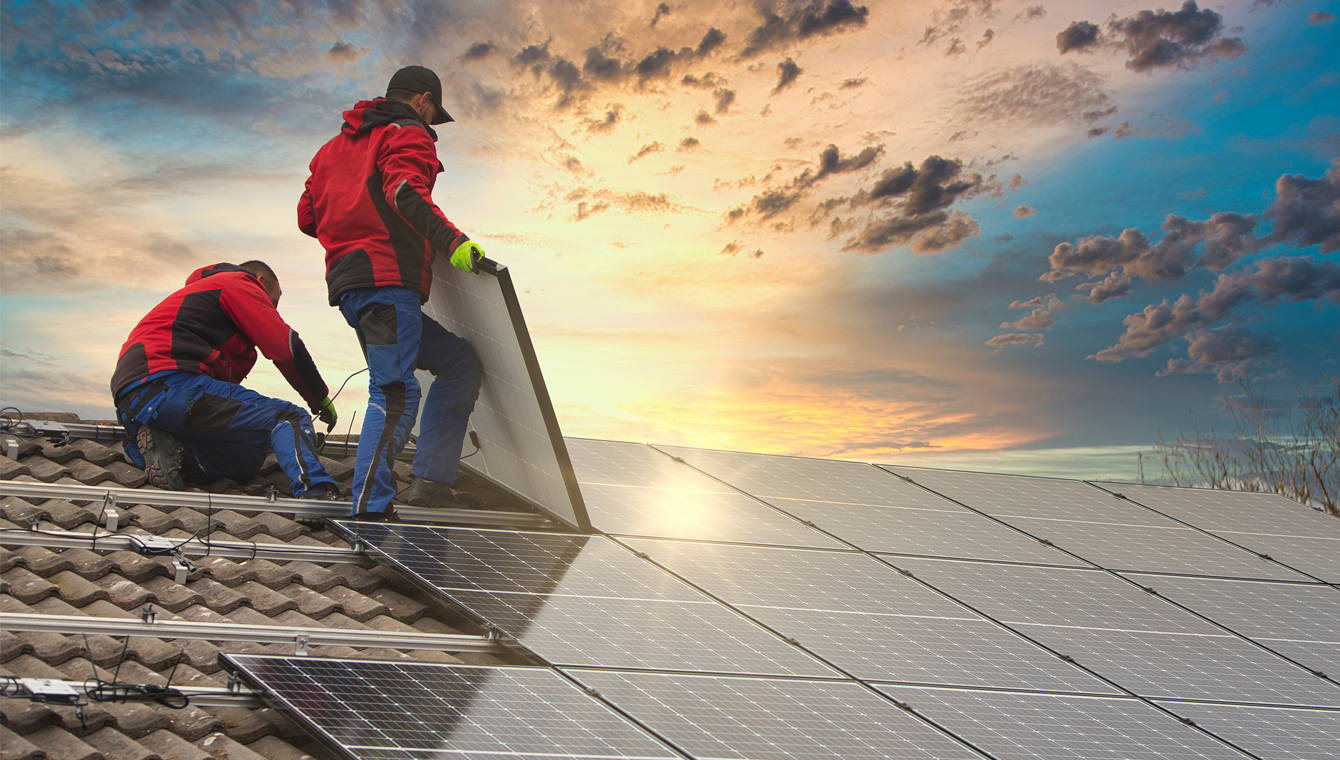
(911, 207)
(802, 22)
(724, 99)
(1307, 211)
(1157, 39)
(1097, 132)
(647, 150)
(732, 248)
(478, 52)
(344, 52)
(787, 72)
(601, 67)
(952, 18)
(1017, 339)
(946, 234)
(662, 11)
(852, 83)
(656, 64)
(1031, 13)
(712, 40)
(1114, 285)
(704, 119)
(1297, 279)
(690, 143)
(986, 39)
(706, 81)
(776, 200)
(1230, 352)
(606, 123)
(1016, 182)
(1213, 244)
(1035, 94)
(1159, 323)
(1038, 319)
(1023, 212)
(1050, 302)
(956, 48)
(1080, 35)
(1316, 18)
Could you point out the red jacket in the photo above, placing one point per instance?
(213, 327)
(369, 201)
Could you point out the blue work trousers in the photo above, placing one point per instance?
(229, 429)
(398, 338)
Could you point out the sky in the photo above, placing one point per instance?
(984, 234)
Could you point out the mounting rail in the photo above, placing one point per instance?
(51, 539)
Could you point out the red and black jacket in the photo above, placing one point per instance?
(369, 201)
(213, 327)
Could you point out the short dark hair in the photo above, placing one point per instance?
(260, 269)
(404, 96)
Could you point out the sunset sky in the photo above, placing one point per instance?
(1014, 236)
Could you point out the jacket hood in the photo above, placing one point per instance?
(367, 115)
(214, 269)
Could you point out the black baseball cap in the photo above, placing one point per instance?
(421, 79)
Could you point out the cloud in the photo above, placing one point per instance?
(1222, 239)
(1017, 339)
(1114, 285)
(1050, 302)
(947, 234)
(1159, 323)
(1307, 211)
(802, 22)
(787, 72)
(1023, 212)
(689, 143)
(712, 40)
(852, 83)
(605, 124)
(911, 206)
(345, 52)
(1316, 18)
(647, 150)
(1035, 94)
(662, 11)
(986, 39)
(1038, 319)
(478, 52)
(724, 99)
(1157, 39)
(952, 18)
(1230, 352)
(1297, 279)
(1031, 13)
(778, 199)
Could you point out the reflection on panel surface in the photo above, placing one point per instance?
(1269, 732)
(391, 710)
(1171, 549)
(720, 717)
(520, 445)
(633, 489)
(1240, 511)
(776, 477)
(1056, 727)
(1318, 557)
(1019, 496)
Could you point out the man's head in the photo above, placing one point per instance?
(267, 277)
(422, 90)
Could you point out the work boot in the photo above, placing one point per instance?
(163, 453)
(388, 516)
(322, 492)
(423, 492)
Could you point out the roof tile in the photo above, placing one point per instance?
(264, 600)
(12, 646)
(9, 559)
(276, 748)
(140, 569)
(191, 723)
(104, 608)
(222, 746)
(60, 453)
(10, 469)
(169, 746)
(136, 720)
(218, 597)
(237, 525)
(97, 453)
(26, 717)
(401, 607)
(127, 475)
(27, 587)
(271, 575)
(59, 743)
(200, 655)
(366, 581)
(356, 605)
(315, 577)
(68, 514)
(26, 447)
(88, 564)
(19, 512)
(42, 561)
(114, 744)
(225, 571)
(77, 590)
(152, 520)
(18, 748)
(52, 648)
(310, 603)
(170, 595)
(88, 473)
(279, 526)
(44, 469)
(124, 593)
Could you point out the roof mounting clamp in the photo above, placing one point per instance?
(148, 615)
(234, 683)
(111, 518)
(180, 570)
(12, 448)
(494, 634)
(300, 645)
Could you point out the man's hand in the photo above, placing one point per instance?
(325, 411)
(467, 254)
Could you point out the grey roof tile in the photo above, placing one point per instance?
(68, 514)
(275, 748)
(191, 723)
(365, 581)
(12, 646)
(223, 746)
(127, 475)
(59, 743)
(200, 655)
(44, 469)
(51, 648)
(124, 593)
(52, 605)
(104, 608)
(42, 561)
(310, 603)
(141, 569)
(19, 512)
(97, 453)
(114, 744)
(237, 525)
(265, 601)
(76, 589)
(60, 453)
(401, 607)
(225, 571)
(170, 595)
(317, 578)
(9, 559)
(27, 717)
(278, 526)
(26, 587)
(88, 473)
(10, 469)
(218, 597)
(16, 747)
(356, 605)
(152, 520)
(271, 575)
(88, 564)
(169, 746)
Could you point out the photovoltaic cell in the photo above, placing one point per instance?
(520, 445)
(1170, 549)
(959, 652)
(633, 489)
(1237, 511)
(776, 477)
(722, 718)
(1318, 557)
(1019, 496)
(414, 711)
(1061, 727)
(1269, 732)
(1187, 666)
(936, 533)
(580, 599)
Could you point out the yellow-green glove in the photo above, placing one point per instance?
(325, 411)
(466, 255)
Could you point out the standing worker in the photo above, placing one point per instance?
(369, 201)
(177, 393)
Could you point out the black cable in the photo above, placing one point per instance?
(346, 382)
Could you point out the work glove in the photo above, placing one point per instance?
(467, 254)
(325, 411)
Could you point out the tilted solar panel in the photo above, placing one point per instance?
(520, 445)
(1269, 732)
(374, 710)
(1238, 511)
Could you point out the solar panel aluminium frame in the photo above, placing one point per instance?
(440, 306)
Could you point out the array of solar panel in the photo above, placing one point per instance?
(581, 600)
(724, 718)
(520, 445)
(1133, 638)
(374, 710)
(1287, 531)
(1060, 726)
(633, 489)
(1268, 732)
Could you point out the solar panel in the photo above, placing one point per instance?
(777, 477)
(1318, 557)
(719, 718)
(520, 445)
(633, 489)
(580, 600)
(936, 533)
(1269, 732)
(1171, 549)
(415, 711)
(1061, 727)
(864, 617)
(1232, 510)
(1019, 496)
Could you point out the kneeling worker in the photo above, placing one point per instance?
(176, 385)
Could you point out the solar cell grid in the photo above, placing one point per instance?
(1318, 557)
(373, 710)
(1054, 596)
(1019, 496)
(634, 464)
(1309, 612)
(1058, 727)
(777, 477)
(1183, 666)
(1269, 732)
(928, 650)
(1171, 549)
(636, 633)
(1241, 511)
(722, 718)
(800, 578)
